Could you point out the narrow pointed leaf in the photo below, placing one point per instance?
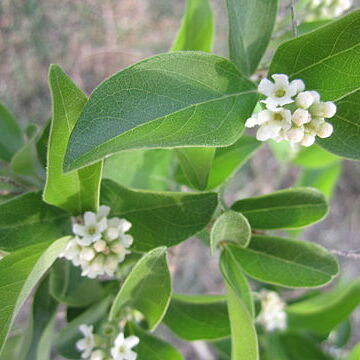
(181, 99)
(324, 312)
(244, 342)
(26, 220)
(147, 288)
(198, 317)
(284, 209)
(333, 70)
(250, 27)
(230, 227)
(78, 191)
(197, 27)
(159, 218)
(19, 274)
(286, 262)
(11, 139)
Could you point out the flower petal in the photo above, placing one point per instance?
(89, 218)
(265, 87)
(132, 341)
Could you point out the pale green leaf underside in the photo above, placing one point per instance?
(286, 262)
(230, 227)
(284, 209)
(147, 288)
(159, 218)
(19, 274)
(180, 99)
(78, 191)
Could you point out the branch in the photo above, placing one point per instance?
(293, 18)
(351, 254)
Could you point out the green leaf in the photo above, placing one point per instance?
(230, 227)
(284, 209)
(182, 99)
(198, 317)
(315, 157)
(147, 288)
(324, 312)
(324, 179)
(43, 316)
(152, 348)
(251, 24)
(19, 274)
(140, 169)
(332, 70)
(27, 220)
(197, 27)
(196, 164)
(42, 143)
(293, 346)
(25, 162)
(69, 287)
(226, 162)
(233, 274)
(355, 353)
(244, 342)
(78, 191)
(159, 218)
(11, 139)
(223, 348)
(70, 334)
(286, 262)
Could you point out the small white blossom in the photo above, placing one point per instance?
(325, 130)
(301, 117)
(272, 316)
(308, 140)
(304, 99)
(91, 230)
(72, 251)
(97, 355)
(87, 343)
(295, 134)
(122, 349)
(326, 9)
(281, 91)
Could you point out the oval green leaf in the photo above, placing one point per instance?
(179, 99)
(147, 288)
(230, 227)
(284, 209)
(198, 317)
(286, 262)
(27, 220)
(159, 218)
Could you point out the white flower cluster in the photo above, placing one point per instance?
(326, 9)
(291, 113)
(92, 348)
(100, 244)
(272, 316)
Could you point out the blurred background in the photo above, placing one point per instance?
(93, 39)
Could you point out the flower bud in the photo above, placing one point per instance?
(100, 245)
(316, 96)
(126, 240)
(117, 247)
(112, 233)
(295, 134)
(111, 264)
(299, 84)
(326, 129)
(301, 117)
(323, 109)
(305, 99)
(307, 140)
(97, 355)
(87, 254)
(97, 265)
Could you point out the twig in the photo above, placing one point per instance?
(293, 18)
(351, 254)
(12, 182)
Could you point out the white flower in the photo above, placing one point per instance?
(91, 230)
(272, 315)
(323, 109)
(295, 134)
(97, 355)
(95, 267)
(87, 343)
(122, 349)
(301, 117)
(325, 130)
(103, 212)
(308, 140)
(281, 91)
(272, 123)
(100, 245)
(305, 99)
